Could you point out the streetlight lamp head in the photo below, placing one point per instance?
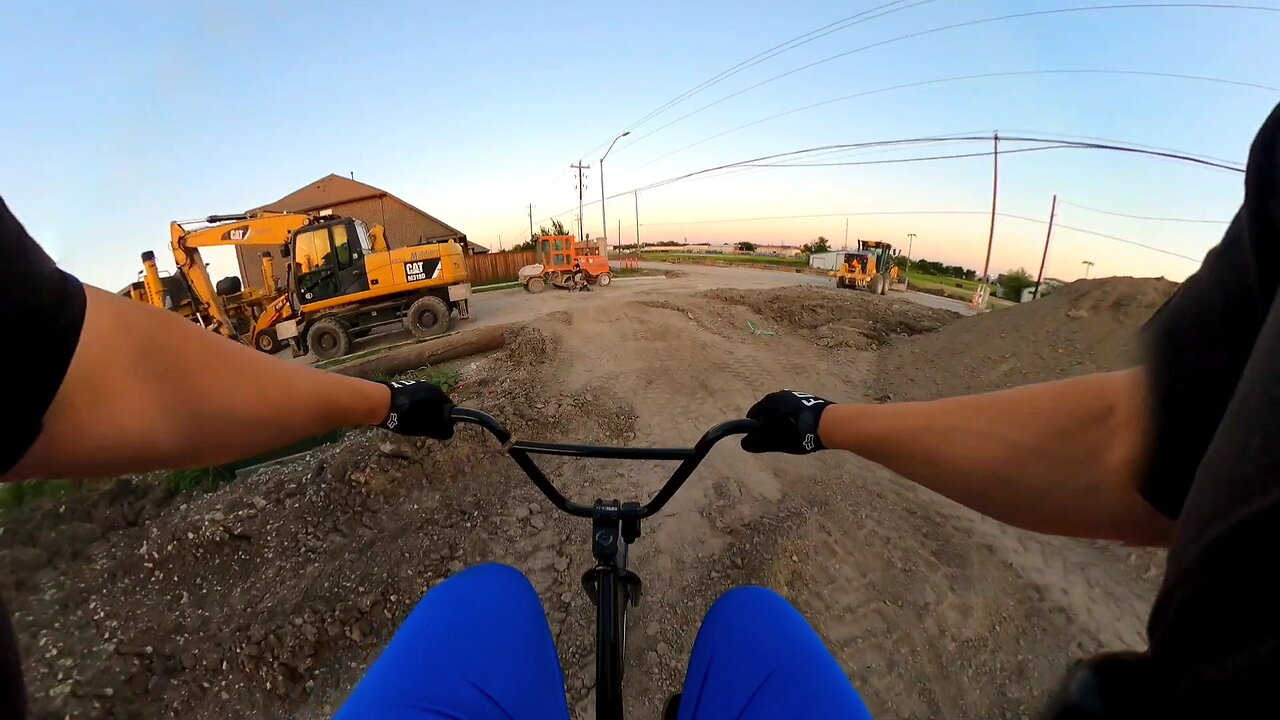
(625, 134)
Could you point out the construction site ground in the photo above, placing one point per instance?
(512, 304)
(268, 597)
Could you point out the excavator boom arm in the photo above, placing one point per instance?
(242, 229)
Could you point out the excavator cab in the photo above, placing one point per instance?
(331, 255)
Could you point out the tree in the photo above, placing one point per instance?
(820, 245)
(902, 262)
(543, 231)
(1013, 282)
(557, 228)
(746, 247)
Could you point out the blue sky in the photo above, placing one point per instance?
(120, 117)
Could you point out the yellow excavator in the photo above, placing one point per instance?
(172, 292)
(341, 281)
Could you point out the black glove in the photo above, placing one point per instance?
(788, 423)
(419, 409)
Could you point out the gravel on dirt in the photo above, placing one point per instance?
(269, 596)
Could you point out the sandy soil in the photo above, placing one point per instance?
(514, 305)
(269, 596)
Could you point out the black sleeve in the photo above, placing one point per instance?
(41, 313)
(1201, 338)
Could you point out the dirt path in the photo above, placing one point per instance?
(268, 597)
(515, 305)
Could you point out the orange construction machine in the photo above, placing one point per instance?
(560, 259)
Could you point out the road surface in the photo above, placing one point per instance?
(514, 304)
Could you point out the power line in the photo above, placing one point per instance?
(984, 213)
(759, 161)
(911, 159)
(777, 50)
(1097, 146)
(960, 78)
(772, 52)
(1092, 138)
(1145, 217)
(956, 26)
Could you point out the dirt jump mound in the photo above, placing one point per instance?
(1087, 326)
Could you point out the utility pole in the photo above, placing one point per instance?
(995, 188)
(530, 221)
(1088, 265)
(846, 233)
(580, 167)
(604, 221)
(1053, 208)
(636, 195)
(911, 241)
(499, 243)
(619, 236)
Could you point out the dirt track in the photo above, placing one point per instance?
(515, 305)
(266, 598)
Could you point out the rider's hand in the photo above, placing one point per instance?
(788, 423)
(419, 409)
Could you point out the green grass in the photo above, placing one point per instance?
(734, 259)
(17, 494)
(494, 286)
(955, 288)
(445, 378)
(198, 480)
(635, 272)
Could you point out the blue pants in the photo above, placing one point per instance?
(478, 647)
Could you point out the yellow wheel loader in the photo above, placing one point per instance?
(341, 282)
(871, 268)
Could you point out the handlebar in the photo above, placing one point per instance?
(522, 451)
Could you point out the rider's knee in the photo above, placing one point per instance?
(491, 578)
(749, 600)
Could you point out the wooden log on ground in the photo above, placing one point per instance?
(428, 352)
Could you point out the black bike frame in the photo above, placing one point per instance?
(609, 584)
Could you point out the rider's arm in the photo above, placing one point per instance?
(147, 389)
(1062, 457)
(102, 384)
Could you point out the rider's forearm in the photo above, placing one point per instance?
(1063, 457)
(148, 390)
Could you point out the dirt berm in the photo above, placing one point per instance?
(268, 597)
(1084, 327)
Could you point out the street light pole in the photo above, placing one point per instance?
(911, 241)
(604, 221)
(1088, 265)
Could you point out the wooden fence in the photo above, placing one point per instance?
(498, 267)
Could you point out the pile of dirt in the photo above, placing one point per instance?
(274, 592)
(270, 596)
(835, 318)
(1084, 327)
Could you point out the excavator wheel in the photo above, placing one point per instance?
(267, 342)
(604, 279)
(329, 339)
(428, 316)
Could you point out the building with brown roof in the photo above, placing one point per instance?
(405, 224)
